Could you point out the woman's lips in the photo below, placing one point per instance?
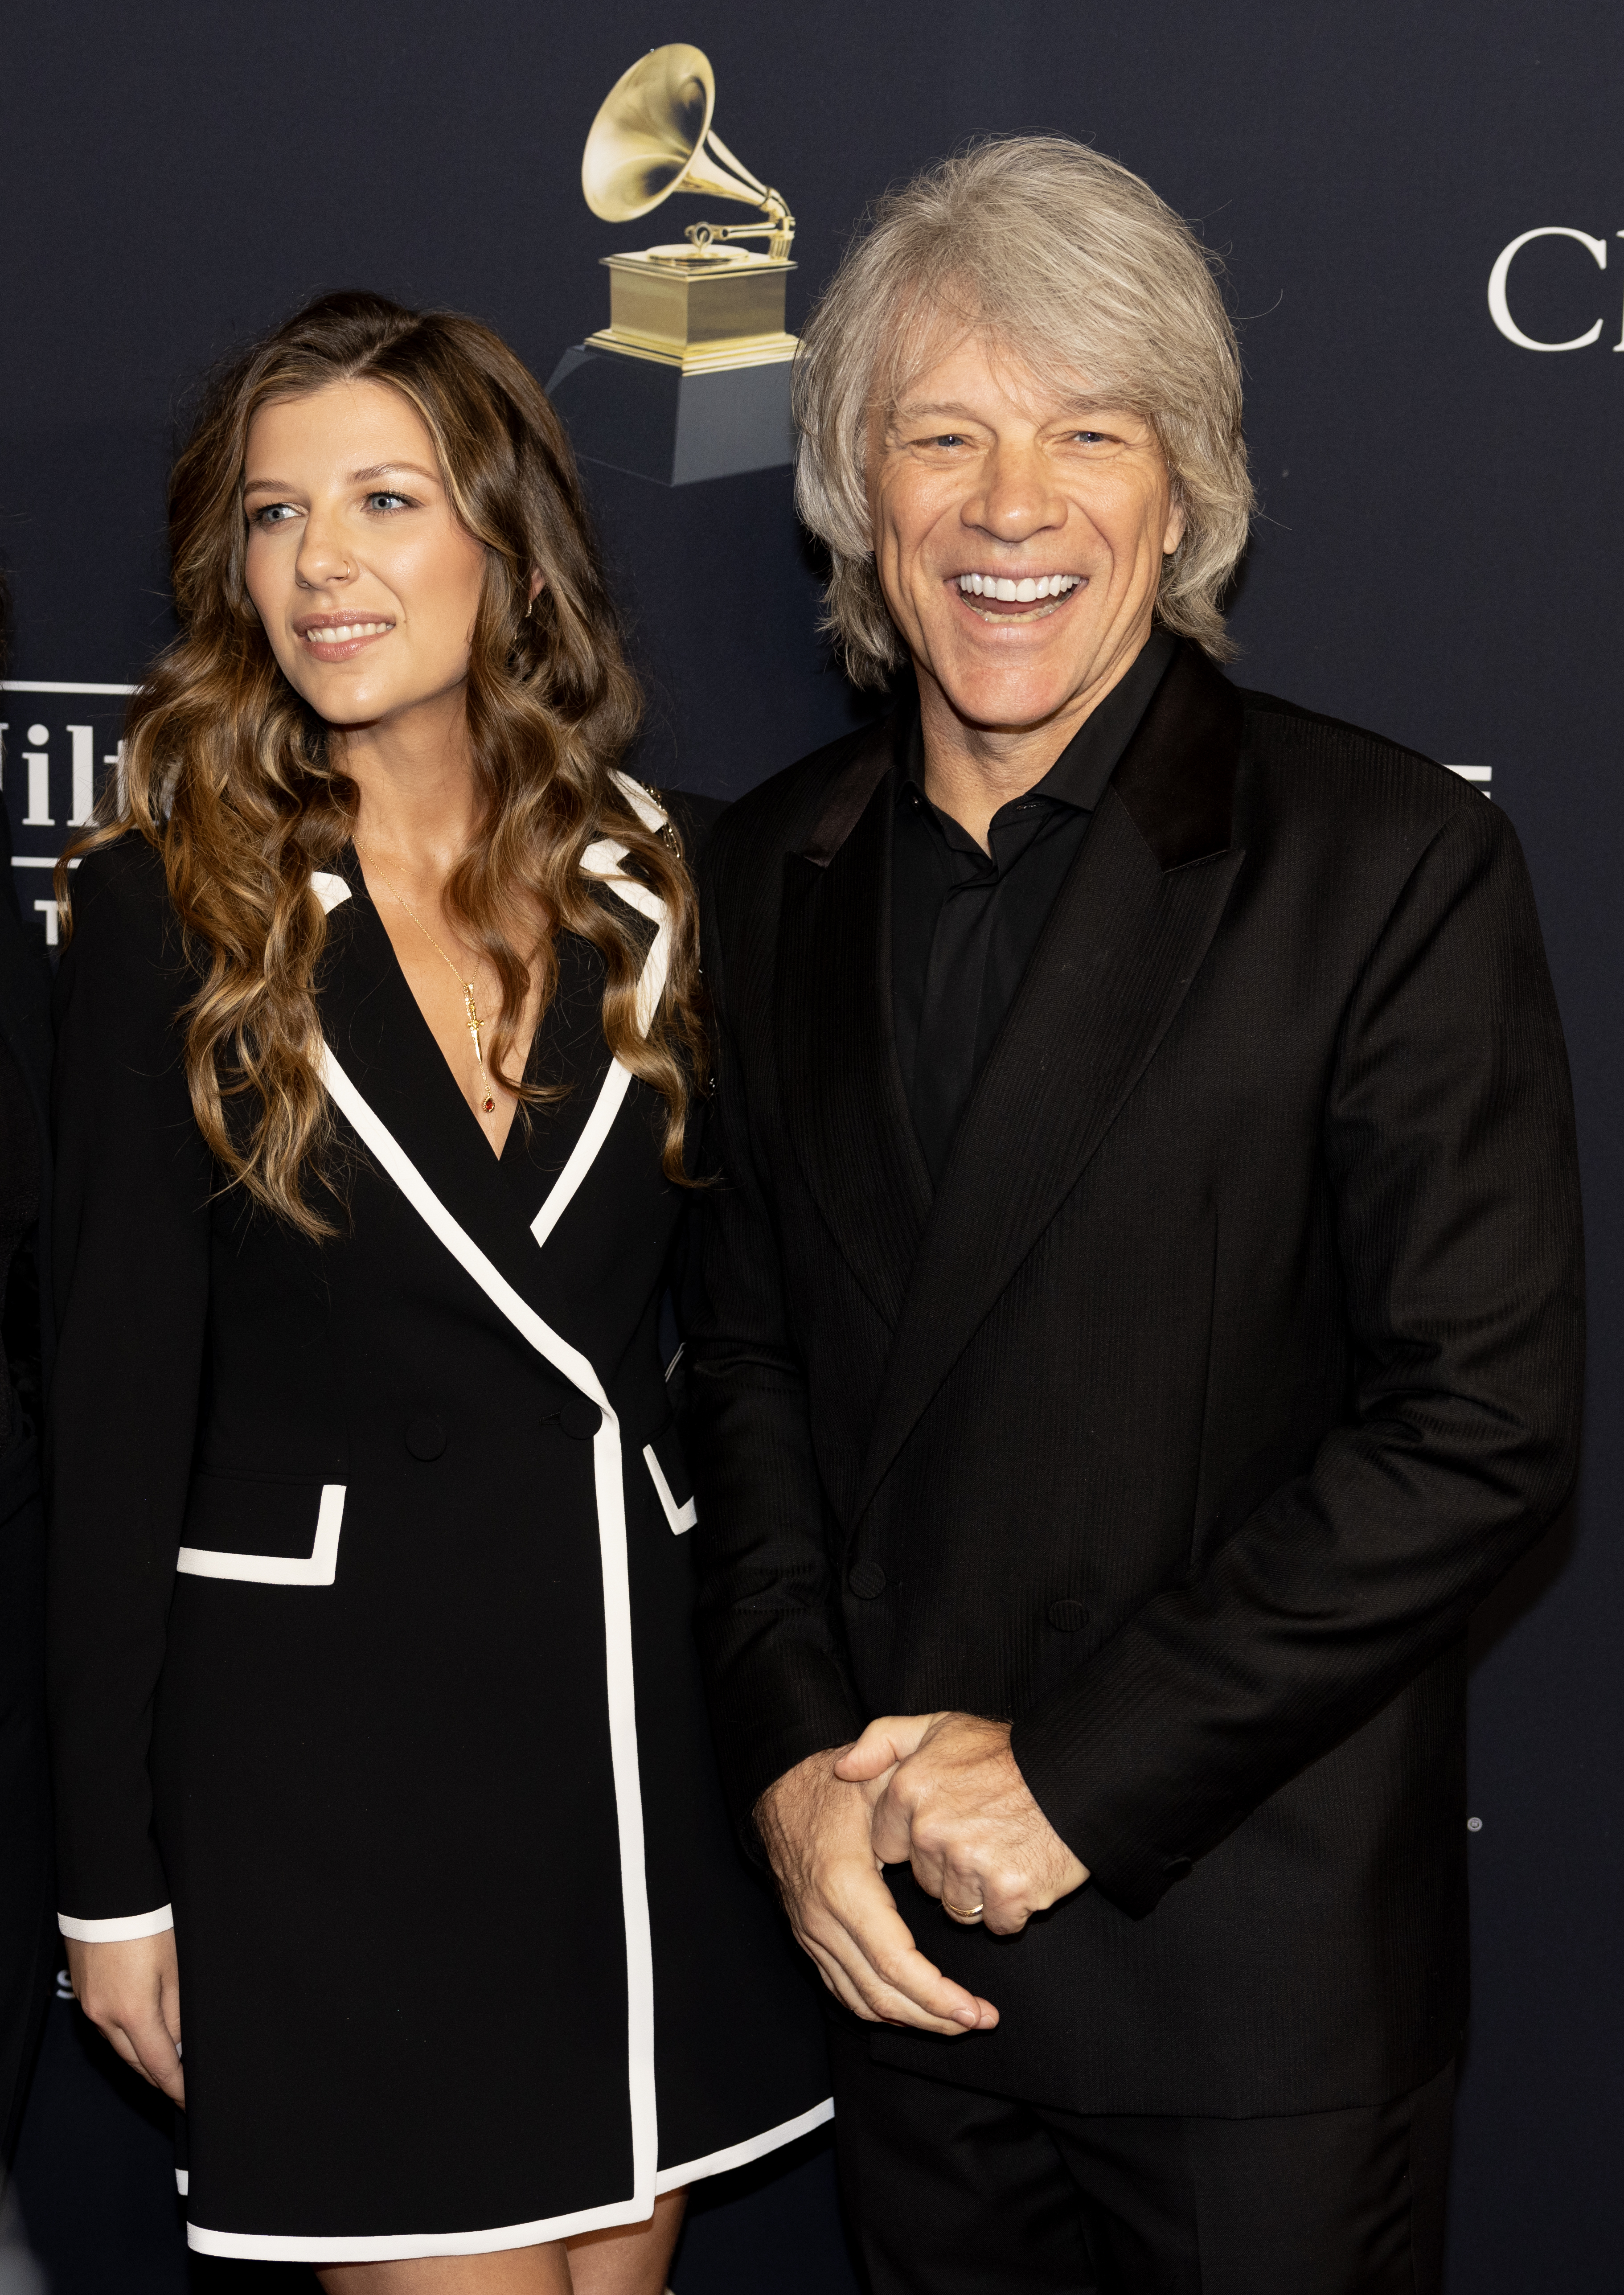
(338, 642)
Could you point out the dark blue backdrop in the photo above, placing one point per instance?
(1435, 558)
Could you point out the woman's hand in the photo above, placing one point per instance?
(131, 1992)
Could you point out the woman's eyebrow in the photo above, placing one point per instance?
(383, 470)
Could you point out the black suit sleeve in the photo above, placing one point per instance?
(769, 1608)
(1449, 1148)
(134, 1180)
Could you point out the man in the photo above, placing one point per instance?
(1144, 1311)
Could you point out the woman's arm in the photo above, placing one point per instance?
(131, 1284)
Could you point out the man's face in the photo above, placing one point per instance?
(985, 480)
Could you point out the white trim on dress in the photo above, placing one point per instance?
(319, 1568)
(753, 2147)
(680, 1518)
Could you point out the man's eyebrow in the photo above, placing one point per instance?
(912, 410)
(918, 410)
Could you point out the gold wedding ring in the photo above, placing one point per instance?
(966, 1916)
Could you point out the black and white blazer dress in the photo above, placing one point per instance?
(371, 1661)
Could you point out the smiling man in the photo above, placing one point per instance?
(1142, 1309)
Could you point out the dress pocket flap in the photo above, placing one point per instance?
(673, 1485)
(269, 1533)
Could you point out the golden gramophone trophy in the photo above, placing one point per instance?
(705, 309)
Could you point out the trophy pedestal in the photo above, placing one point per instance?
(675, 425)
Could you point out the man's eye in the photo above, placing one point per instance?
(948, 438)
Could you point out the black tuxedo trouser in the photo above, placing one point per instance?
(951, 2190)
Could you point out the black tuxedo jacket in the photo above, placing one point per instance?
(1237, 1356)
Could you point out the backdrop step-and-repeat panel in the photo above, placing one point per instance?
(1422, 217)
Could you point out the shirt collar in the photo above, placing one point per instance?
(1080, 775)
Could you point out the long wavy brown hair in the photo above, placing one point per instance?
(242, 789)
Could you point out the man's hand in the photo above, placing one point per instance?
(131, 1991)
(954, 1805)
(818, 1833)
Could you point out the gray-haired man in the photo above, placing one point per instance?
(1143, 1310)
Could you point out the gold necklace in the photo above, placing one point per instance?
(470, 1004)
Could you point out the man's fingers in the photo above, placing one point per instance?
(835, 1978)
(883, 1744)
(853, 1918)
(855, 1982)
(891, 1833)
(924, 1996)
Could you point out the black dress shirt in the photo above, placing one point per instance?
(964, 922)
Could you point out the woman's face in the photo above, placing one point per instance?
(365, 581)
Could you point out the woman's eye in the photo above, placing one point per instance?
(387, 502)
(272, 514)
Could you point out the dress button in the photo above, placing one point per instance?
(425, 1437)
(1067, 1616)
(866, 1580)
(580, 1418)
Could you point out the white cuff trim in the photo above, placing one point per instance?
(120, 1932)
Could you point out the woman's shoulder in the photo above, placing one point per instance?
(123, 878)
(119, 909)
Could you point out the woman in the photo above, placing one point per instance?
(370, 1653)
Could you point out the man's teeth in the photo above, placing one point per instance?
(346, 633)
(1017, 593)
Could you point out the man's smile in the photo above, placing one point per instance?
(1018, 597)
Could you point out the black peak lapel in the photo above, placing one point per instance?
(841, 1088)
(1177, 775)
(1127, 934)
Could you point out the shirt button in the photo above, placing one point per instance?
(1067, 1616)
(425, 1437)
(866, 1580)
(580, 1418)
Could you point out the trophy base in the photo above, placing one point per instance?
(677, 426)
(698, 309)
(714, 358)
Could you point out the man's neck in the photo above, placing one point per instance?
(972, 770)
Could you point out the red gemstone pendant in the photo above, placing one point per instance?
(490, 1107)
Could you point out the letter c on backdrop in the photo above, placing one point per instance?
(1498, 309)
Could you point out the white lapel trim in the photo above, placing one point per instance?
(330, 890)
(607, 1472)
(602, 861)
(679, 1517)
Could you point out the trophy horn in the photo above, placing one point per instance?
(653, 136)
